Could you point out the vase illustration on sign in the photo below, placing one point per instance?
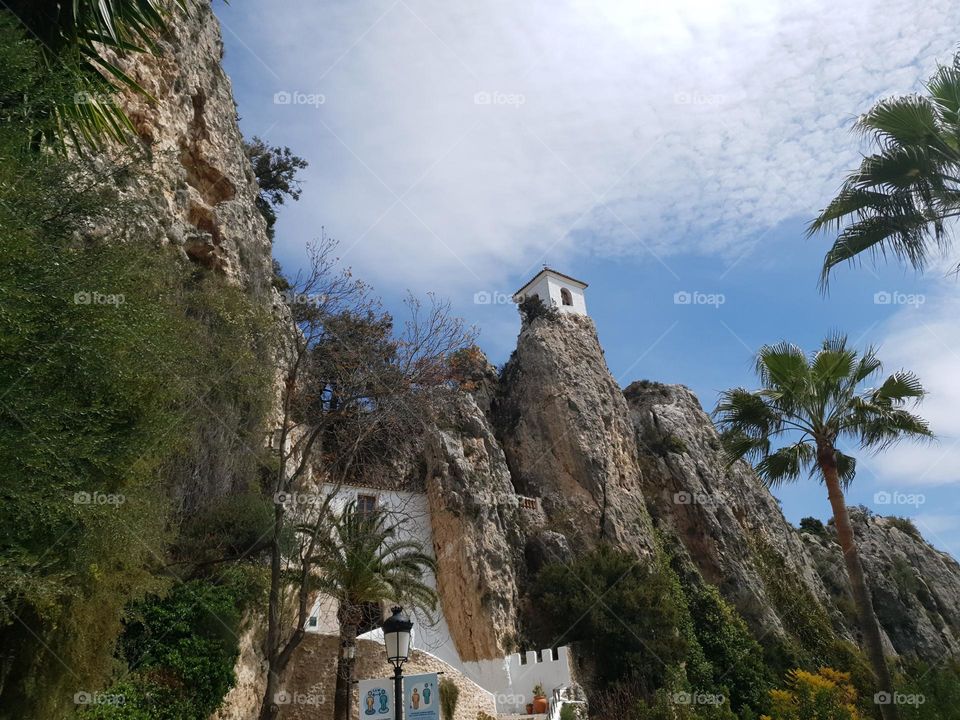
(415, 699)
(369, 710)
(426, 694)
(383, 703)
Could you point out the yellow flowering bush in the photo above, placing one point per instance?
(826, 694)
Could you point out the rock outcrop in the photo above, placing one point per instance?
(564, 427)
(199, 189)
(915, 587)
(725, 519)
(477, 535)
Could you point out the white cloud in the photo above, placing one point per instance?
(926, 340)
(645, 126)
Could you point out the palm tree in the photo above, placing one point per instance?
(83, 35)
(806, 405)
(900, 198)
(360, 564)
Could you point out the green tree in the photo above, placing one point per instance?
(276, 171)
(900, 198)
(622, 612)
(808, 405)
(361, 562)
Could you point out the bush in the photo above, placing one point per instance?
(905, 525)
(813, 526)
(826, 695)
(181, 649)
(449, 695)
(532, 307)
(630, 633)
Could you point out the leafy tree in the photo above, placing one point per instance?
(903, 195)
(811, 404)
(622, 612)
(276, 171)
(361, 561)
(179, 650)
(356, 389)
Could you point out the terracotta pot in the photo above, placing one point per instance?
(529, 708)
(539, 704)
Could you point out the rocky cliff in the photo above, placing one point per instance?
(199, 188)
(915, 587)
(644, 466)
(565, 430)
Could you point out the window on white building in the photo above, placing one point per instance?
(366, 504)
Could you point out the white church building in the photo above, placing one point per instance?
(556, 289)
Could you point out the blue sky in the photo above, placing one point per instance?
(648, 150)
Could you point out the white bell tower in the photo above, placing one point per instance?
(555, 289)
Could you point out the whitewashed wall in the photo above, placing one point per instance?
(510, 679)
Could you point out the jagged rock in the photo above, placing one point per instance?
(566, 434)
(547, 547)
(477, 533)
(915, 587)
(199, 190)
(723, 517)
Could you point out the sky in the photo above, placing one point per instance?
(661, 152)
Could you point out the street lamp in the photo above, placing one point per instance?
(396, 637)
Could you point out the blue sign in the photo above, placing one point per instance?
(421, 697)
(376, 699)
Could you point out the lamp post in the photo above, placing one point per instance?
(396, 637)
(348, 651)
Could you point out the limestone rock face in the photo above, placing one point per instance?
(564, 427)
(915, 587)
(724, 518)
(477, 535)
(199, 188)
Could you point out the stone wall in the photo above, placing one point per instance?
(309, 684)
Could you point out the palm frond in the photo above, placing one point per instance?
(786, 464)
(894, 121)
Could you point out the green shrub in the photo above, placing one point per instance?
(449, 695)
(629, 632)
(181, 650)
(905, 525)
(532, 307)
